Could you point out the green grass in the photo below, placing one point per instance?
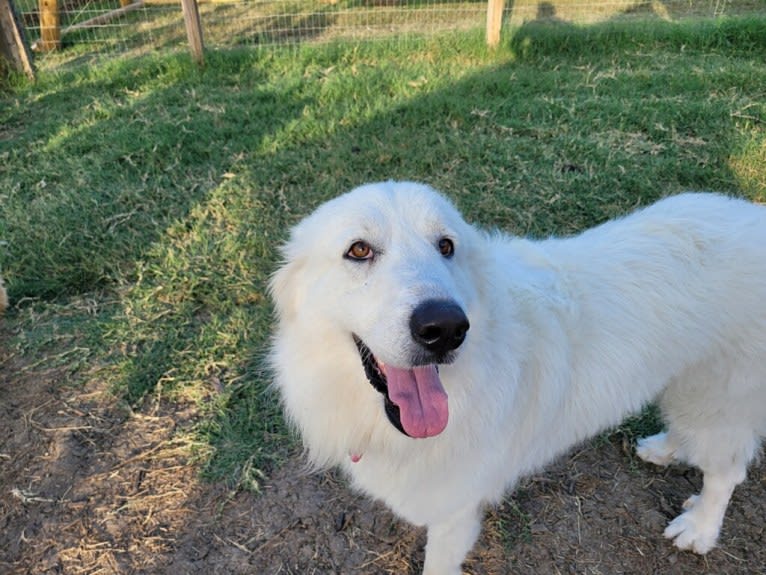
(143, 200)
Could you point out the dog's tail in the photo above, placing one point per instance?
(3, 297)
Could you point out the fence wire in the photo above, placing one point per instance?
(89, 26)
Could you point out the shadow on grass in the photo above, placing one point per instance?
(550, 35)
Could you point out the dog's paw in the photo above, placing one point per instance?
(692, 530)
(656, 449)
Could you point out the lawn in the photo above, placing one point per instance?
(143, 200)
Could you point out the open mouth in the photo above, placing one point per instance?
(414, 398)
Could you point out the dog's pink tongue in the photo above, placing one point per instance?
(421, 399)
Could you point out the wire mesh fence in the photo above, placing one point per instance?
(87, 26)
(95, 26)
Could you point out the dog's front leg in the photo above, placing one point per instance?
(697, 528)
(450, 541)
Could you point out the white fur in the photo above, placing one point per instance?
(567, 336)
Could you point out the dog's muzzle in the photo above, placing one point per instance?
(415, 400)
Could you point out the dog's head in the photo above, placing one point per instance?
(388, 265)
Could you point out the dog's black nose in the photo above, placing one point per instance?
(439, 325)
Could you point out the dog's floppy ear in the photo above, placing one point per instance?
(286, 286)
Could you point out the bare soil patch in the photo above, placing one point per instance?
(87, 487)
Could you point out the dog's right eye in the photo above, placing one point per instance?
(359, 251)
(446, 247)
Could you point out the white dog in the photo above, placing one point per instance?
(437, 364)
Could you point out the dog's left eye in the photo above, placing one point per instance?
(359, 251)
(446, 247)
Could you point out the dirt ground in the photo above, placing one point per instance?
(88, 488)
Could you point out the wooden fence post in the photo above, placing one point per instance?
(193, 30)
(13, 44)
(50, 26)
(494, 21)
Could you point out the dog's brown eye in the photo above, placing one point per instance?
(446, 247)
(359, 251)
